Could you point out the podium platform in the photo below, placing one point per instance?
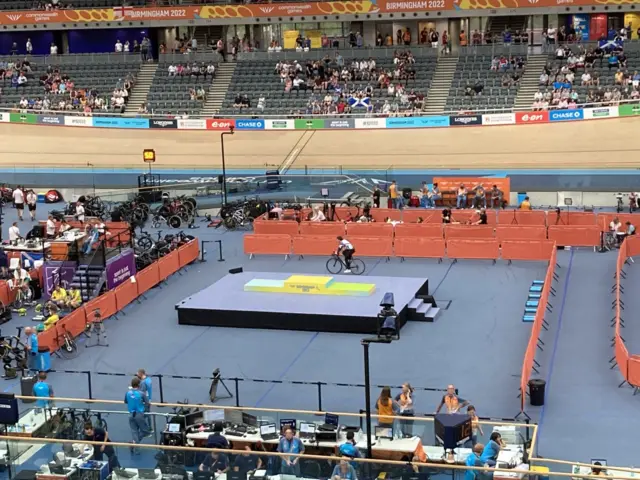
(286, 301)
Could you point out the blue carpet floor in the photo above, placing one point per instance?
(477, 344)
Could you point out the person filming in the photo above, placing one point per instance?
(346, 248)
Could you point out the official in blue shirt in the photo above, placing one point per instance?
(146, 386)
(349, 449)
(42, 389)
(137, 402)
(474, 460)
(492, 450)
(290, 444)
(344, 471)
(32, 346)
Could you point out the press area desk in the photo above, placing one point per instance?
(59, 245)
(77, 464)
(221, 476)
(382, 449)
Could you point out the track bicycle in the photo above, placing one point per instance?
(336, 265)
(68, 346)
(24, 297)
(87, 416)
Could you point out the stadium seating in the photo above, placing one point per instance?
(98, 72)
(257, 78)
(170, 94)
(472, 68)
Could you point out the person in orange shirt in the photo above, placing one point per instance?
(463, 38)
(526, 204)
(396, 199)
(475, 425)
(386, 408)
(452, 402)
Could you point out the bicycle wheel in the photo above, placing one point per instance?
(69, 349)
(17, 303)
(357, 266)
(145, 243)
(175, 221)
(334, 265)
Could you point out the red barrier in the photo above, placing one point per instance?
(632, 246)
(275, 227)
(586, 236)
(189, 252)
(148, 278)
(310, 245)
(381, 214)
(75, 322)
(369, 230)
(604, 219)
(523, 217)
(622, 356)
(633, 372)
(573, 219)
(267, 244)
(168, 265)
(125, 293)
(520, 232)
(373, 246)
(473, 249)
(48, 339)
(4, 293)
(424, 230)
(332, 229)
(411, 215)
(468, 231)
(105, 303)
(419, 247)
(522, 250)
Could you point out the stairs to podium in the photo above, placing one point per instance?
(422, 310)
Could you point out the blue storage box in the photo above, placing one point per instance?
(538, 282)
(530, 310)
(535, 288)
(534, 295)
(531, 303)
(528, 318)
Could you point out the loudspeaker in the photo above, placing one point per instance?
(235, 270)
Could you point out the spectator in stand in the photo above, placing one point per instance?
(461, 197)
(526, 204)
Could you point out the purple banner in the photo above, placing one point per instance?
(120, 268)
(56, 272)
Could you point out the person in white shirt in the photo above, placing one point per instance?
(64, 226)
(80, 212)
(53, 49)
(51, 227)
(318, 216)
(346, 248)
(29, 46)
(21, 278)
(32, 200)
(14, 232)
(18, 201)
(127, 47)
(118, 46)
(586, 79)
(172, 70)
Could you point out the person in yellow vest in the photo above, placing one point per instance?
(51, 319)
(526, 204)
(386, 408)
(59, 296)
(463, 39)
(452, 402)
(74, 298)
(396, 199)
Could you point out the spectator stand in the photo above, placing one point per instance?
(356, 79)
(90, 86)
(486, 82)
(180, 87)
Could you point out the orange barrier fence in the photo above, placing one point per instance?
(310, 245)
(115, 300)
(267, 244)
(419, 247)
(521, 232)
(522, 217)
(374, 247)
(425, 230)
(568, 218)
(468, 231)
(369, 230)
(473, 249)
(629, 365)
(322, 228)
(275, 227)
(529, 363)
(527, 250)
(575, 236)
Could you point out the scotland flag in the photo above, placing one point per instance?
(359, 102)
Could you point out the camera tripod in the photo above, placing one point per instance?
(96, 326)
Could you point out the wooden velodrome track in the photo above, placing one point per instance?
(592, 144)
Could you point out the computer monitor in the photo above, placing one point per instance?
(194, 418)
(233, 417)
(249, 420)
(307, 427)
(384, 432)
(213, 415)
(287, 423)
(173, 427)
(267, 429)
(331, 419)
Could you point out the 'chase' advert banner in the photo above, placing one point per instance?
(343, 123)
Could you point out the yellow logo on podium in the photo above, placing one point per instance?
(311, 285)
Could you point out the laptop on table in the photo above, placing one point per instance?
(269, 432)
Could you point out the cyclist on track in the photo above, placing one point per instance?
(347, 250)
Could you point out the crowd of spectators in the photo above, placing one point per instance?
(59, 91)
(194, 69)
(557, 83)
(341, 88)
